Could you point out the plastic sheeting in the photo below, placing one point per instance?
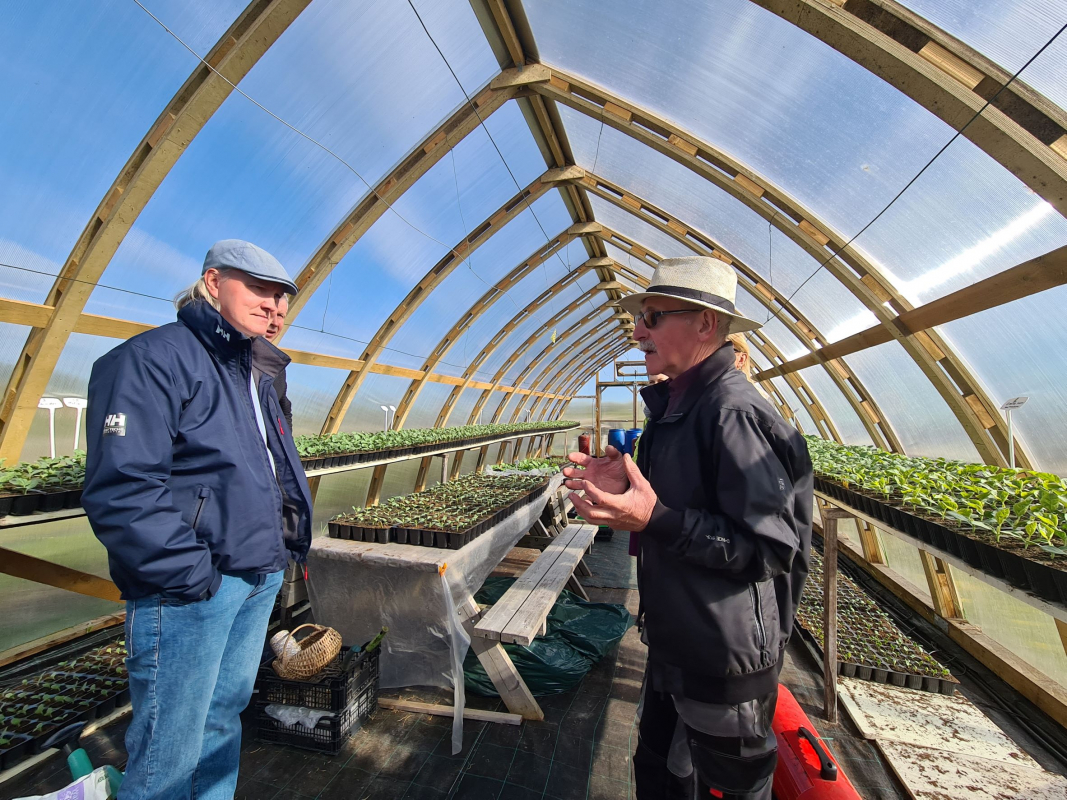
(357, 588)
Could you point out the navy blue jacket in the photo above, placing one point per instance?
(178, 485)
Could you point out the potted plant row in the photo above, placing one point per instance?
(344, 449)
(88, 687)
(541, 466)
(1009, 524)
(47, 484)
(449, 515)
(869, 645)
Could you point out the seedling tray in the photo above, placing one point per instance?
(865, 629)
(429, 537)
(866, 672)
(1046, 581)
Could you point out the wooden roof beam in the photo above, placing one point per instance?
(963, 394)
(204, 91)
(862, 402)
(1023, 280)
(430, 281)
(1022, 130)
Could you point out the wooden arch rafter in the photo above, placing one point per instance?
(204, 91)
(1021, 129)
(431, 280)
(942, 367)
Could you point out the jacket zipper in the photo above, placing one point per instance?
(199, 508)
(757, 606)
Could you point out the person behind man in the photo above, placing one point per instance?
(722, 497)
(273, 330)
(194, 486)
(743, 360)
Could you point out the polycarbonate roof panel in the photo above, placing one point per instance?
(540, 323)
(510, 246)
(798, 409)
(922, 420)
(638, 230)
(287, 195)
(964, 219)
(427, 406)
(83, 83)
(311, 390)
(543, 351)
(365, 413)
(697, 203)
(1021, 349)
(571, 345)
(814, 122)
(1008, 32)
(520, 299)
(848, 424)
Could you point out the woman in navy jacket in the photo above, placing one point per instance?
(194, 486)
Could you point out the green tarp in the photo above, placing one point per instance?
(579, 634)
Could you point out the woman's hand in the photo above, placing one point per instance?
(608, 474)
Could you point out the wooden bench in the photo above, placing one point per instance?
(521, 613)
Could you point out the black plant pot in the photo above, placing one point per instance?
(24, 504)
(969, 551)
(1042, 581)
(74, 498)
(1014, 569)
(5, 504)
(951, 541)
(935, 536)
(52, 501)
(990, 558)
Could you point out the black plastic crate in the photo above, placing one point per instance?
(330, 733)
(332, 689)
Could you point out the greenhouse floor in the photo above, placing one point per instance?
(581, 750)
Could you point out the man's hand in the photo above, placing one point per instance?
(629, 510)
(606, 473)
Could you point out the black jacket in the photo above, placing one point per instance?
(178, 484)
(283, 401)
(724, 558)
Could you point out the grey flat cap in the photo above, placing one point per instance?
(245, 256)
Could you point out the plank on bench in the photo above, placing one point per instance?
(519, 615)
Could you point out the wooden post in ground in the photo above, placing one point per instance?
(829, 612)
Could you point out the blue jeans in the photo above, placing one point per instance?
(192, 669)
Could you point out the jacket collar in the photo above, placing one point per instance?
(697, 379)
(221, 338)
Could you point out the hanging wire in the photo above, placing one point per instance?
(481, 122)
(928, 164)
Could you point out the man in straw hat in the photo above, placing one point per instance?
(194, 485)
(722, 496)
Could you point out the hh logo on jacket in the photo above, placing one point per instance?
(224, 334)
(115, 425)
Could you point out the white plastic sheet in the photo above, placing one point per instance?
(357, 587)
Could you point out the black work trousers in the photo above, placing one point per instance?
(730, 753)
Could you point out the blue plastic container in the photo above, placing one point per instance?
(617, 439)
(631, 437)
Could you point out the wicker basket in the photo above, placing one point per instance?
(314, 652)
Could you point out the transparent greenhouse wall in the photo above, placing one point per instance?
(33, 610)
(1022, 629)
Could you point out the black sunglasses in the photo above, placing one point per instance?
(650, 318)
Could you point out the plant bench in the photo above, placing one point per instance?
(520, 614)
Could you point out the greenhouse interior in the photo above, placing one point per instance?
(464, 205)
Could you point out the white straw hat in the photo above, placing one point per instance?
(700, 280)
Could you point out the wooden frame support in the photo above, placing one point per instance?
(935, 358)
(829, 610)
(204, 91)
(1021, 129)
(946, 599)
(20, 565)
